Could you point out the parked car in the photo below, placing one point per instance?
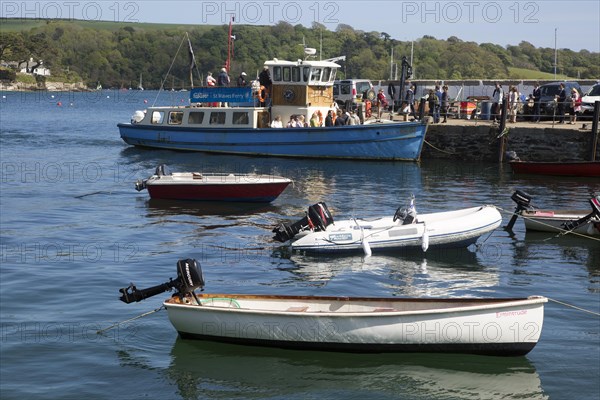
(348, 92)
(550, 91)
(588, 99)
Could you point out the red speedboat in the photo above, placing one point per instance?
(559, 168)
(252, 188)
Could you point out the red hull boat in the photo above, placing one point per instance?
(559, 168)
(198, 186)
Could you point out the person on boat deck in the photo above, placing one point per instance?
(241, 81)
(264, 78)
(223, 79)
(314, 120)
(277, 123)
(382, 102)
(301, 122)
(329, 118)
(410, 100)
(341, 118)
(575, 105)
(210, 80)
(354, 118)
(292, 122)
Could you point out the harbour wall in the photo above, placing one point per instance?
(462, 140)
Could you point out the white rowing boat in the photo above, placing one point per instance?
(492, 326)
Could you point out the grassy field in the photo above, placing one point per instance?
(522, 73)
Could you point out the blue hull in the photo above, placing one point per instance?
(384, 141)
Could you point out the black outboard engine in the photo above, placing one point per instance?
(523, 201)
(189, 278)
(161, 170)
(595, 203)
(407, 214)
(318, 218)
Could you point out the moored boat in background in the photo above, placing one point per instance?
(557, 168)
(561, 221)
(300, 89)
(200, 186)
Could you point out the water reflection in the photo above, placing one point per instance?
(214, 370)
(571, 249)
(162, 208)
(438, 273)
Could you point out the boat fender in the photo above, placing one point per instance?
(425, 239)
(366, 247)
(368, 112)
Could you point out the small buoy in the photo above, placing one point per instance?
(52, 96)
(425, 239)
(108, 97)
(3, 97)
(71, 104)
(366, 248)
(59, 104)
(145, 101)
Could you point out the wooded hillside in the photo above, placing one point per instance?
(116, 54)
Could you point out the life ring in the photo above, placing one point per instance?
(262, 94)
(320, 116)
(368, 108)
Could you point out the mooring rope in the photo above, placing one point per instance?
(129, 320)
(575, 307)
(562, 232)
(438, 149)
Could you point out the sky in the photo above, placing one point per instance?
(545, 23)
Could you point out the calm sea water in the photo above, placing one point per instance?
(74, 231)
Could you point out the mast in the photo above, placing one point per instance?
(230, 40)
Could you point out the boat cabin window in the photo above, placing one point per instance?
(196, 117)
(240, 118)
(158, 117)
(315, 76)
(305, 73)
(175, 117)
(287, 74)
(277, 73)
(295, 74)
(217, 118)
(328, 74)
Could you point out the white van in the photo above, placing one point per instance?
(348, 92)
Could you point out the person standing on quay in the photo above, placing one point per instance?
(575, 105)
(536, 95)
(562, 100)
(497, 96)
(445, 100)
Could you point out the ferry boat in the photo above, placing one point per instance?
(243, 125)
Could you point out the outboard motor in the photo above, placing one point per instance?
(595, 203)
(318, 218)
(189, 278)
(523, 201)
(161, 170)
(407, 214)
